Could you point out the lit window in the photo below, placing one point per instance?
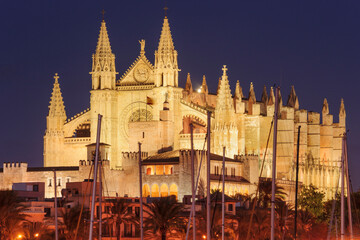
(159, 170)
(168, 169)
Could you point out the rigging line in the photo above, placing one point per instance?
(216, 198)
(197, 183)
(258, 186)
(83, 202)
(351, 189)
(333, 208)
(104, 182)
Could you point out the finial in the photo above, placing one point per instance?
(142, 46)
(165, 9)
(56, 77)
(103, 14)
(224, 70)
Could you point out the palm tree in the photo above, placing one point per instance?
(265, 188)
(35, 231)
(163, 216)
(11, 214)
(119, 215)
(70, 222)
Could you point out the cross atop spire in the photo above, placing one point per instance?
(56, 77)
(103, 14)
(165, 10)
(224, 70)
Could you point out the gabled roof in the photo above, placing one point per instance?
(142, 58)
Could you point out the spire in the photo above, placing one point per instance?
(188, 85)
(166, 64)
(264, 96)
(166, 44)
(271, 99)
(252, 93)
(103, 49)
(342, 112)
(238, 91)
(204, 87)
(56, 107)
(325, 108)
(224, 110)
(293, 99)
(103, 67)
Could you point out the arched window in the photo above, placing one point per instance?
(155, 191)
(164, 190)
(174, 190)
(146, 190)
(150, 170)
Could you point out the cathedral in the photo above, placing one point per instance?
(146, 105)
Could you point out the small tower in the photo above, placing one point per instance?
(103, 62)
(103, 99)
(166, 64)
(54, 134)
(225, 130)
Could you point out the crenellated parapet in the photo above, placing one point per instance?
(91, 162)
(14, 165)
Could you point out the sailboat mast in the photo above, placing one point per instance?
(56, 208)
(100, 200)
(95, 178)
(346, 161)
(193, 180)
(297, 181)
(342, 227)
(223, 198)
(141, 196)
(274, 165)
(208, 202)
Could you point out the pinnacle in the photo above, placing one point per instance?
(264, 95)
(271, 99)
(188, 85)
(56, 107)
(204, 87)
(252, 93)
(238, 91)
(342, 111)
(293, 99)
(325, 108)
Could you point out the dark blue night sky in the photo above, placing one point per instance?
(314, 45)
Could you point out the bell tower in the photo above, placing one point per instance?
(103, 99)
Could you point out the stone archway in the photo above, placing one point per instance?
(199, 124)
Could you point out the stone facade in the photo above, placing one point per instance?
(147, 105)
